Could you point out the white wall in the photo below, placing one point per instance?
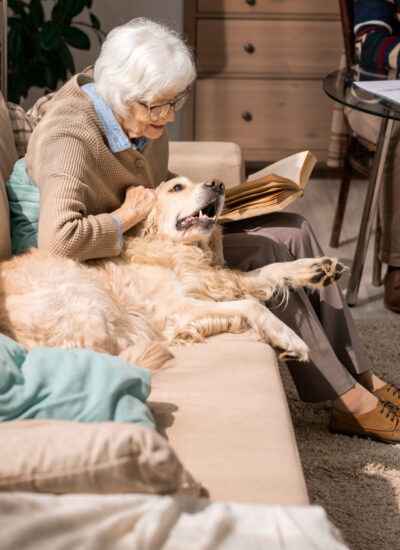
(112, 13)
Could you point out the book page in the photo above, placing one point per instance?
(257, 208)
(288, 167)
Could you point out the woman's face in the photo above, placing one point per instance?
(137, 122)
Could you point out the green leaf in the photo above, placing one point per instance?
(95, 22)
(70, 8)
(66, 58)
(50, 35)
(55, 13)
(15, 42)
(36, 13)
(17, 8)
(88, 3)
(17, 87)
(76, 38)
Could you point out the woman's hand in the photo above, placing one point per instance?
(138, 202)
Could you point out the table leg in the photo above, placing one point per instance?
(370, 205)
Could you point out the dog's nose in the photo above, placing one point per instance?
(220, 187)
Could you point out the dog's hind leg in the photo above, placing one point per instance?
(147, 354)
(199, 319)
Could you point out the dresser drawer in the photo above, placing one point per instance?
(285, 116)
(287, 48)
(281, 7)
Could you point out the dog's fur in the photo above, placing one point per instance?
(168, 287)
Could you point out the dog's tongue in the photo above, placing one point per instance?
(189, 219)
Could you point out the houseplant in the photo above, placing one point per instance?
(39, 41)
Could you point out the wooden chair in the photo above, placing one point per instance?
(359, 151)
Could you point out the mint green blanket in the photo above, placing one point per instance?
(77, 384)
(24, 201)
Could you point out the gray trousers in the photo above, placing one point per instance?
(321, 318)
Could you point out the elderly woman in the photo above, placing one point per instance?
(100, 151)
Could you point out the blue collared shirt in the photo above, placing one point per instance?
(117, 139)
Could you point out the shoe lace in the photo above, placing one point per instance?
(395, 391)
(390, 411)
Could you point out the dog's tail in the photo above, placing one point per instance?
(147, 354)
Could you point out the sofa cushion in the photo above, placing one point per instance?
(55, 456)
(223, 408)
(8, 156)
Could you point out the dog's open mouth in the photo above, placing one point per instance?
(204, 218)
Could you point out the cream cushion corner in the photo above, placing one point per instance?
(57, 456)
(8, 156)
(205, 160)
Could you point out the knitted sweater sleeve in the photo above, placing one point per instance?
(65, 172)
(376, 42)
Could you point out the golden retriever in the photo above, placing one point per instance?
(169, 286)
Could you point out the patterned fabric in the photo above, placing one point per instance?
(23, 123)
(22, 127)
(377, 32)
(377, 44)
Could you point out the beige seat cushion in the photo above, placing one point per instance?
(223, 409)
(57, 456)
(8, 156)
(200, 161)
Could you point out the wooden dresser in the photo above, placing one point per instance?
(260, 66)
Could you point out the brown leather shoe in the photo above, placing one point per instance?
(391, 298)
(388, 393)
(380, 424)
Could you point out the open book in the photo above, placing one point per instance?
(270, 189)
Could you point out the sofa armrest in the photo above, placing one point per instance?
(205, 160)
(8, 156)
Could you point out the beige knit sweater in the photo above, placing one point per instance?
(80, 179)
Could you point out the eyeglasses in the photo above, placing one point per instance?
(158, 112)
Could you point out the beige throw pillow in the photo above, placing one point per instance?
(57, 456)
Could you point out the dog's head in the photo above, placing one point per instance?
(185, 211)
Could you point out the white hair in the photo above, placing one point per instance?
(140, 60)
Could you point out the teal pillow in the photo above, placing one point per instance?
(77, 384)
(24, 201)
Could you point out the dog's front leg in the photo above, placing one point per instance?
(278, 277)
(199, 319)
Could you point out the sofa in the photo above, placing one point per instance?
(220, 405)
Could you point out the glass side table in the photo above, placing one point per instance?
(340, 86)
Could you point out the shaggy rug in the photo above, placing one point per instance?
(357, 481)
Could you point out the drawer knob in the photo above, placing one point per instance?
(247, 116)
(249, 48)
(251, 2)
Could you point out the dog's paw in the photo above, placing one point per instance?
(297, 353)
(293, 348)
(326, 270)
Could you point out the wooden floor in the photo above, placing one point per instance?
(318, 205)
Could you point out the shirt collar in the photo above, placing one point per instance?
(117, 139)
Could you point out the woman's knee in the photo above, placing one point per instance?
(247, 251)
(298, 235)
